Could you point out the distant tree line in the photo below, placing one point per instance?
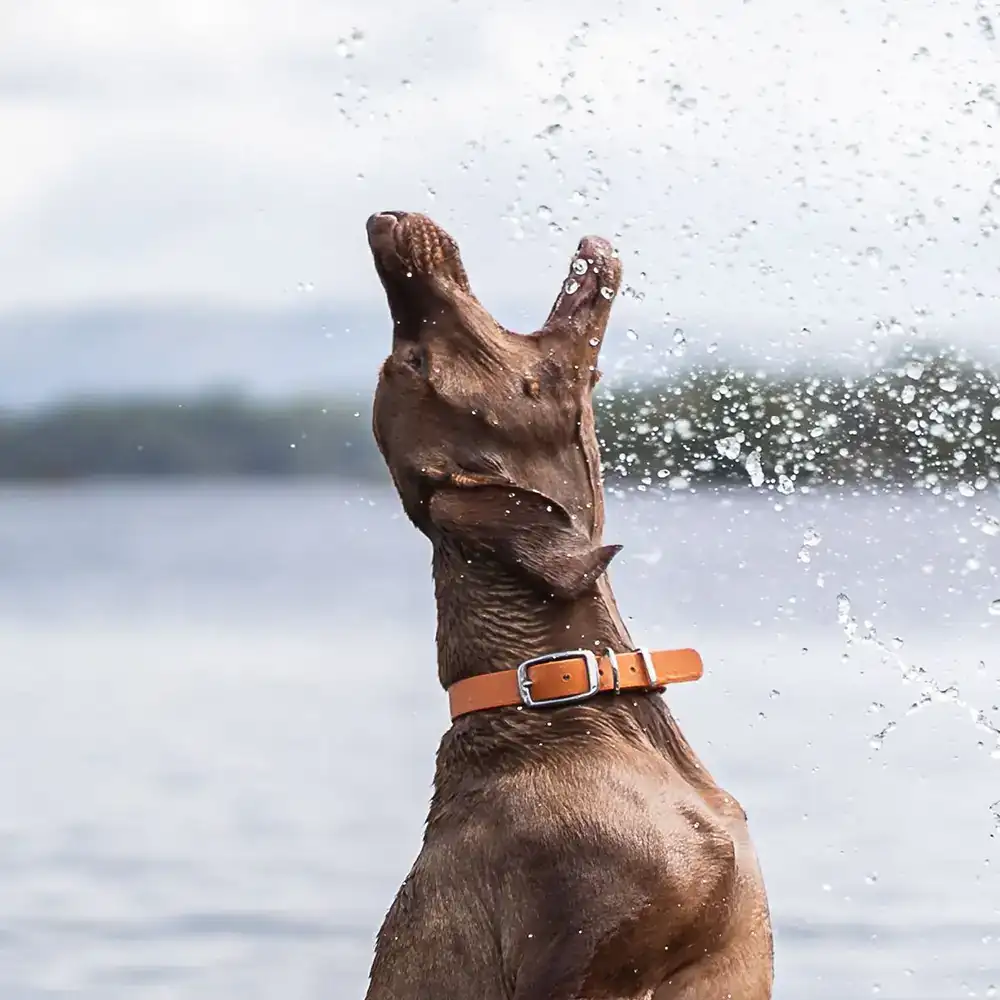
(931, 419)
(926, 419)
(212, 435)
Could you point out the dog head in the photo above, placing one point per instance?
(488, 434)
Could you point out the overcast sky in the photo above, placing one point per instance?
(763, 166)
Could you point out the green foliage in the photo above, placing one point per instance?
(927, 419)
(216, 435)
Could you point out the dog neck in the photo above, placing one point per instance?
(490, 619)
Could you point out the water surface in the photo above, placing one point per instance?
(219, 712)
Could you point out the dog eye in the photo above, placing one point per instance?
(416, 360)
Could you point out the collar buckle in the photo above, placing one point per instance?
(593, 678)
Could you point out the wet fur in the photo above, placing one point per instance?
(577, 853)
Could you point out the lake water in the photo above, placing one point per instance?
(201, 798)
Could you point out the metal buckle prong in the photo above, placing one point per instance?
(615, 672)
(593, 678)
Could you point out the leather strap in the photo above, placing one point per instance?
(566, 678)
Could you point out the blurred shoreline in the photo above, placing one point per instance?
(926, 419)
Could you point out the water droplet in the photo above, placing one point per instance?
(874, 256)
(843, 609)
(785, 485)
(631, 334)
(571, 286)
(986, 28)
(995, 188)
(995, 607)
(967, 489)
(811, 537)
(650, 558)
(879, 738)
(872, 878)
(607, 292)
(913, 369)
(754, 469)
(346, 47)
(594, 342)
(579, 266)
(544, 213)
(712, 348)
(948, 384)
(909, 394)
(987, 523)
(728, 447)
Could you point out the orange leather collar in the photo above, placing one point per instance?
(572, 676)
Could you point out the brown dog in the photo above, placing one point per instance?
(576, 848)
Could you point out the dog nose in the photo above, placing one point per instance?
(377, 217)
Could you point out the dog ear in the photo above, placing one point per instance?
(524, 529)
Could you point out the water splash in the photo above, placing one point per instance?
(729, 447)
(348, 46)
(810, 540)
(812, 537)
(844, 617)
(876, 741)
(680, 343)
(929, 690)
